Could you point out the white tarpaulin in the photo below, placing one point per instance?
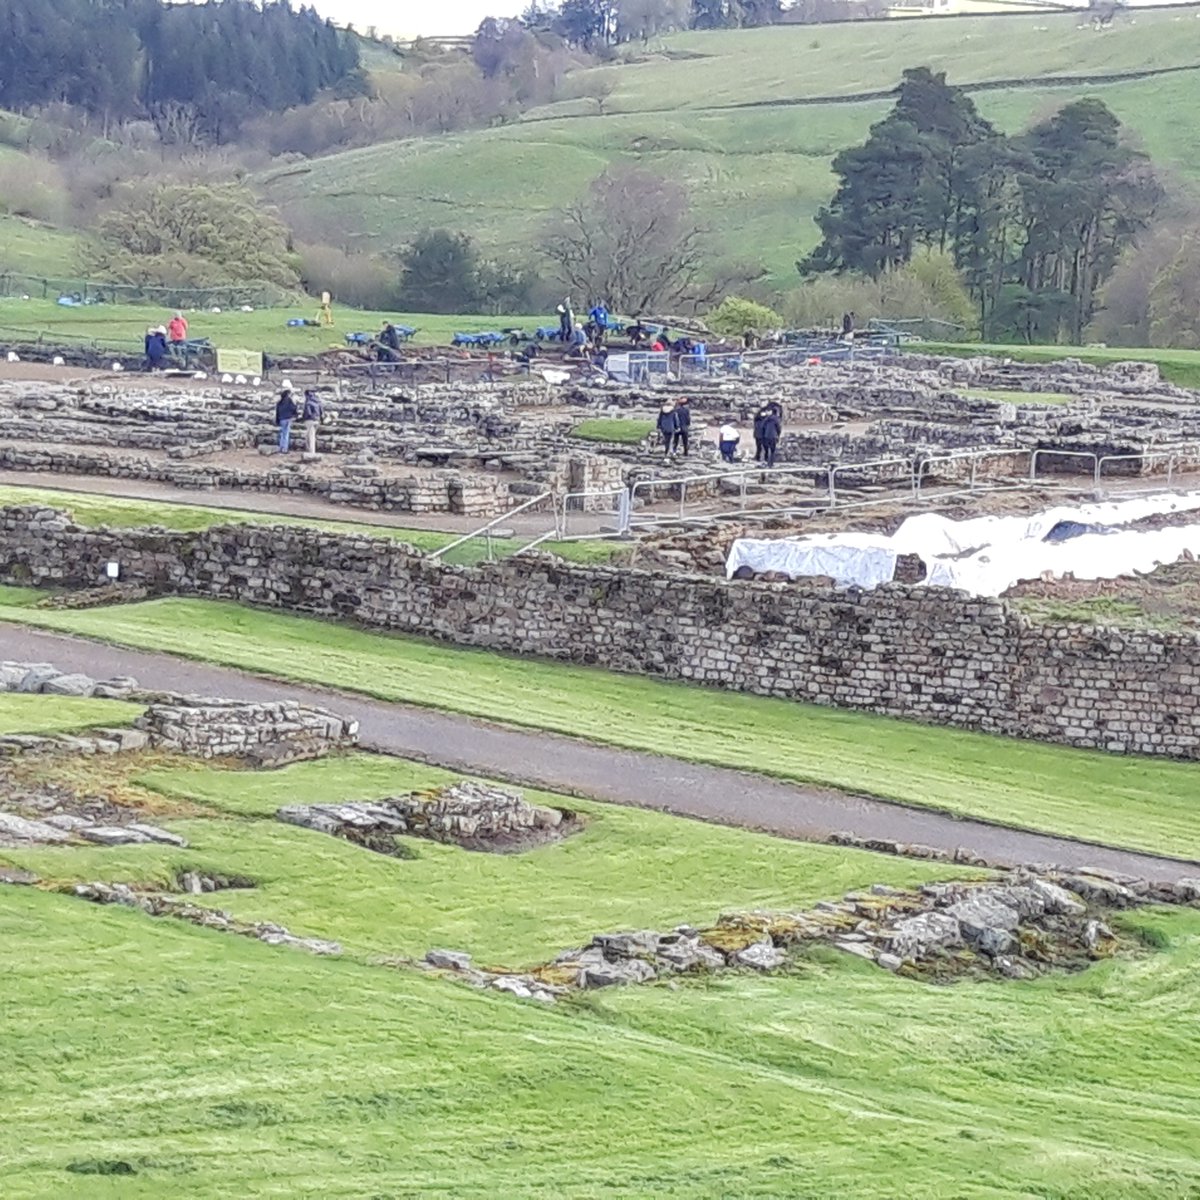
(986, 555)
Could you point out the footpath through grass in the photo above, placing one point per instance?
(94, 509)
(1142, 803)
(149, 1058)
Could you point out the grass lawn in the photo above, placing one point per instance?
(93, 509)
(1143, 803)
(217, 1066)
(1020, 397)
(150, 1058)
(613, 429)
(32, 248)
(122, 326)
(626, 869)
(61, 714)
(1180, 367)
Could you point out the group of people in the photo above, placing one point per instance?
(166, 341)
(674, 426)
(287, 411)
(768, 425)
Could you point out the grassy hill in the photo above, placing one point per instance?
(750, 120)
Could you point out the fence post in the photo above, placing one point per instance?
(832, 486)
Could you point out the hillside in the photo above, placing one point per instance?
(750, 120)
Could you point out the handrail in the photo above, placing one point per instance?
(504, 516)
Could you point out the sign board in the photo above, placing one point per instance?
(240, 362)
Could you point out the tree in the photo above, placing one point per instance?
(443, 272)
(640, 20)
(182, 235)
(734, 316)
(439, 271)
(1027, 221)
(630, 241)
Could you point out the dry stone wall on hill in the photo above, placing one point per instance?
(922, 653)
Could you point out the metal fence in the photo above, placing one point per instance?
(256, 294)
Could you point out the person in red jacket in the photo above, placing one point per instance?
(177, 332)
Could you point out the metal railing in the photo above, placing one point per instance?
(485, 531)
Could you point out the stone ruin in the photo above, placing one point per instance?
(478, 449)
(469, 814)
(1022, 924)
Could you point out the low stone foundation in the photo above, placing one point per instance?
(475, 816)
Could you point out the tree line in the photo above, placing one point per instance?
(1035, 223)
(196, 70)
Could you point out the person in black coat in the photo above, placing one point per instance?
(772, 427)
(759, 418)
(285, 413)
(668, 427)
(683, 425)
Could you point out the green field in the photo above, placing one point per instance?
(93, 509)
(60, 714)
(750, 121)
(150, 1058)
(31, 248)
(123, 326)
(1142, 803)
(1180, 367)
(614, 429)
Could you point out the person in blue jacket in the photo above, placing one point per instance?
(156, 347)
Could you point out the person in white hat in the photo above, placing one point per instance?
(285, 413)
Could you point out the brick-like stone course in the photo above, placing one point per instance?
(923, 653)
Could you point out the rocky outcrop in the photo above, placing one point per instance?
(1016, 926)
(159, 904)
(476, 816)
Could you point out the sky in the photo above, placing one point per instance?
(406, 18)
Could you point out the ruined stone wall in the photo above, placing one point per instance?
(926, 654)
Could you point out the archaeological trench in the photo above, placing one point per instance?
(856, 437)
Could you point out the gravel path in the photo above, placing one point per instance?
(581, 768)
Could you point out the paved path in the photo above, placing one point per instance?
(601, 772)
(306, 507)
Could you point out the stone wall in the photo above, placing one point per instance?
(208, 728)
(922, 653)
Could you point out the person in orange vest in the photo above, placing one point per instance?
(177, 334)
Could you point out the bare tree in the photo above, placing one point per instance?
(630, 241)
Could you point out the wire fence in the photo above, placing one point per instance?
(75, 290)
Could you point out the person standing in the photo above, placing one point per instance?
(177, 335)
(285, 414)
(313, 411)
(389, 343)
(772, 427)
(728, 441)
(759, 418)
(683, 425)
(668, 427)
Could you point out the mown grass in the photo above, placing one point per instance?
(613, 429)
(1142, 803)
(625, 869)
(1180, 367)
(219, 1066)
(1020, 397)
(92, 509)
(149, 1057)
(60, 714)
(122, 326)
